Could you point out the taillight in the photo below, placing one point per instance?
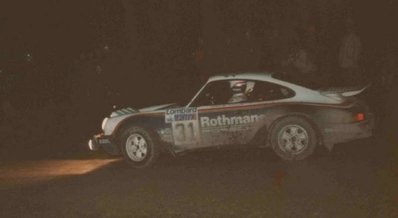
(359, 117)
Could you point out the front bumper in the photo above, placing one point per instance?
(340, 133)
(105, 143)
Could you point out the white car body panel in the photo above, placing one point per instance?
(112, 122)
(156, 107)
(334, 112)
(303, 94)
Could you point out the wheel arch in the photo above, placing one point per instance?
(138, 121)
(152, 148)
(129, 122)
(304, 116)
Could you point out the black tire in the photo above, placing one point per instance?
(126, 147)
(302, 141)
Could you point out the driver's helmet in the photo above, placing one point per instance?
(238, 86)
(238, 91)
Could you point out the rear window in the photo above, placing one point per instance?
(264, 91)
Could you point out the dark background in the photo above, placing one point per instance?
(65, 64)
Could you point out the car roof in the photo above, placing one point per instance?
(264, 76)
(303, 94)
(259, 76)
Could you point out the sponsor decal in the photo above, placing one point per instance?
(191, 130)
(184, 125)
(123, 111)
(228, 128)
(180, 114)
(222, 120)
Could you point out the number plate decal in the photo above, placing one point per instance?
(185, 125)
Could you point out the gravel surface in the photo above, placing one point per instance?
(356, 180)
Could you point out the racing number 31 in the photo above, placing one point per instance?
(185, 132)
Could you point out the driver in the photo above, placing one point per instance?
(238, 92)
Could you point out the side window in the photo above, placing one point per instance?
(225, 92)
(240, 91)
(264, 91)
(215, 93)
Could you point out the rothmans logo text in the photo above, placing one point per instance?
(223, 120)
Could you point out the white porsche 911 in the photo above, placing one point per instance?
(244, 108)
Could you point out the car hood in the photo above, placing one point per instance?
(158, 107)
(129, 110)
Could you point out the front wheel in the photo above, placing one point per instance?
(293, 138)
(139, 147)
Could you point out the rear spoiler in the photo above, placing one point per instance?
(345, 92)
(355, 92)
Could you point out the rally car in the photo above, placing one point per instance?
(239, 109)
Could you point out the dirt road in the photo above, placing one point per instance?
(355, 180)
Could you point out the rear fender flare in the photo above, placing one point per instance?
(306, 117)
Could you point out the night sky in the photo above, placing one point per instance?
(77, 59)
(66, 65)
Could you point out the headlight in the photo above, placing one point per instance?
(104, 123)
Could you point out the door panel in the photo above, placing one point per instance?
(227, 124)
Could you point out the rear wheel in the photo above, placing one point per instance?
(293, 138)
(139, 147)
